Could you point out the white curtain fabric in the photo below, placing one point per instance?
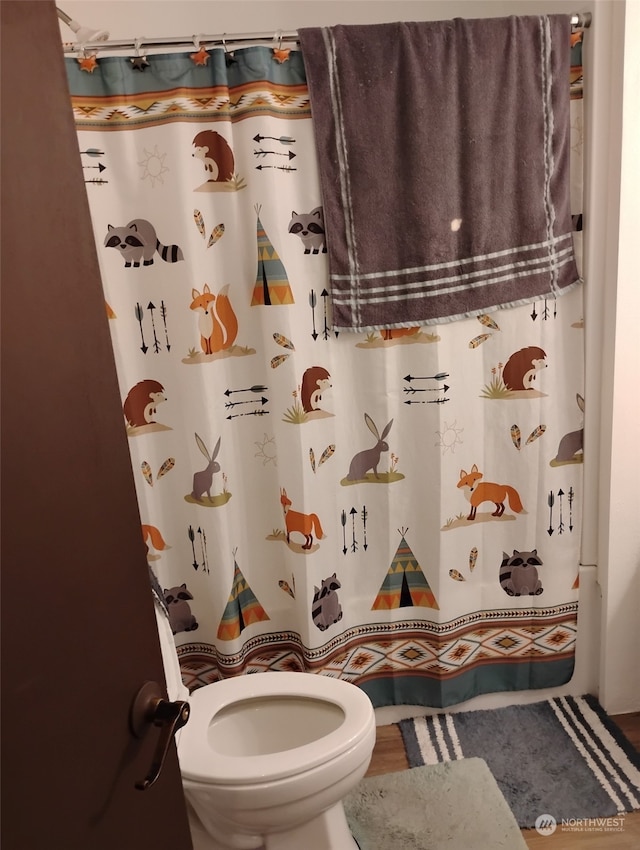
(304, 495)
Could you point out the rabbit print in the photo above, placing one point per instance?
(571, 446)
(203, 480)
(369, 458)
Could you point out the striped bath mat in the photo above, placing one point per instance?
(563, 757)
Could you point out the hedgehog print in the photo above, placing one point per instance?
(140, 408)
(521, 376)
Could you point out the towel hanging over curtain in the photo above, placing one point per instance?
(443, 151)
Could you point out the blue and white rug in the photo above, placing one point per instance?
(563, 757)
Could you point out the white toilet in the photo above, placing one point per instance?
(267, 758)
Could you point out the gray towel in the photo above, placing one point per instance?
(443, 150)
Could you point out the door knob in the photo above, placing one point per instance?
(150, 709)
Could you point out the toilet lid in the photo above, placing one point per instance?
(211, 746)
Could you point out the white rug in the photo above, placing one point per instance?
(456, 805)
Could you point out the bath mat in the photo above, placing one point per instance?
(562, 757)
(456, 805)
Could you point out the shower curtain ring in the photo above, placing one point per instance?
(138, 62)
(228, 56)
(200, 57)
(279, 54)
(87, 61)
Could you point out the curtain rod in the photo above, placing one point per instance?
(579, 20)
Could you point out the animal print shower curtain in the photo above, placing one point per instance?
(400, 509)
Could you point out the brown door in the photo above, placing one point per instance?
(78, 628)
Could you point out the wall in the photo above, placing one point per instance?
(609, 635)
(618, 520)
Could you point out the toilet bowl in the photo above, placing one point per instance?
(267, 758)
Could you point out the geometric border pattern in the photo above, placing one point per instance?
(440, 651)
(214, 104)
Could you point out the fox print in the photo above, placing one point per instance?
(485, 491)
(217, 321)
(137, 243)
(304, 524)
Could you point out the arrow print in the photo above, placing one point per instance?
(412, 390)
(354, 542)
(312, 304)
(256, 388)
(550, 501)
(163, 314)
(289, 154)
(439, 377)
(192, 538)
(229, 404)
(260, 412)
(203, 549)
(424, 401)
(284, 140)
(570, 496)
(279, 167)
(139, 316)
(156, 345)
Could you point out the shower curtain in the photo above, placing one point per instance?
(401, 508)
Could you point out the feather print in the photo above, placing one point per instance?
(515, 436)
(473, 557)
(456, 576)
(284, 342)
(216, 233)
(279, 360)
(537, 432)
(312, 458)
(199, 220)
(167, 466)
(478, 340)
(146, 471)
(326, 454)
(488, 322)
(287, 589)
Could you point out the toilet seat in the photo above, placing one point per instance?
(202, 762)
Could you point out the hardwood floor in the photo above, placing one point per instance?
(389, 757)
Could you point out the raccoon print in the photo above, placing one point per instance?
(180, 617)
(519, 573)
(310, 228)
(137, 242)
(325, 608)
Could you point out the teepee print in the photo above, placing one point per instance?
(243, 609)
(272, 283)
(405, 584)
